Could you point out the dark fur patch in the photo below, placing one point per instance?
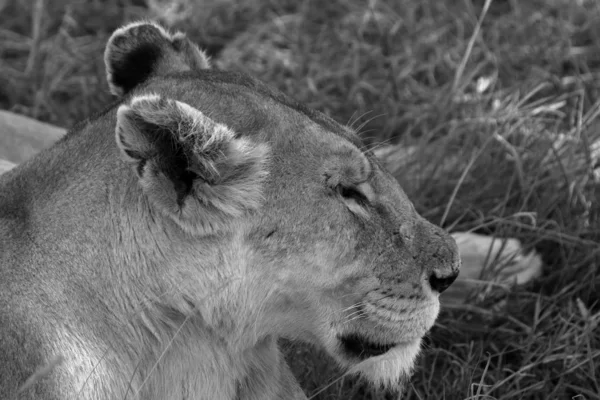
(132, 153)
(172, 158)
(139, 169)
(137, 66)
(238, 390)
(270, 233)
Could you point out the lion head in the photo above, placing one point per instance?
(186, 228)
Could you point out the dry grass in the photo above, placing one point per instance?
(500, 99)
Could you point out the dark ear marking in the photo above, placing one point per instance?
(133, 154)
(140, 50)
(168, 154)
(135, 67)
(140, 167)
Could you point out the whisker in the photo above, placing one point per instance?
(359, 128)
(355, 305)
(351, 122)
(137, 365)
(360, 311)
(94, 370)
(187, 318)
(359, 316)
(377, 145)
(385, 296)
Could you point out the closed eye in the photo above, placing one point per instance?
(352, 193)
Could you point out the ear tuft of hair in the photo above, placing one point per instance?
(194, 169)
(143, 49)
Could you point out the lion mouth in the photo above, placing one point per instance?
(362, 348)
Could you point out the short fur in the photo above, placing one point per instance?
(162, 247)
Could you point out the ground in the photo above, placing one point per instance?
(498, 99)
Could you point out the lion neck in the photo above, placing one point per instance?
(205, 304)
(195, 299)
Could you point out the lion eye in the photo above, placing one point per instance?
(351, 193)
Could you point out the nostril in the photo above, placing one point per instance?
(440, 284)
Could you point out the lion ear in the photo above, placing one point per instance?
(140, 50)
(194, 169)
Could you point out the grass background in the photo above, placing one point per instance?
(498, 99)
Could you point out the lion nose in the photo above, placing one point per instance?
(436, 252)
(439, 283)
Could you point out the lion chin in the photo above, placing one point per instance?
(385, 361)
(392, 368)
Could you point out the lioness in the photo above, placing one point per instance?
(160, 249)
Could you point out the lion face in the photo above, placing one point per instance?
(354, 268)
(326, 245)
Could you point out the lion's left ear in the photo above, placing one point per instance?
(144, 49)
(192, 168)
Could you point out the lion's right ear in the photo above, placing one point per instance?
(140, 50)
(192, 168)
